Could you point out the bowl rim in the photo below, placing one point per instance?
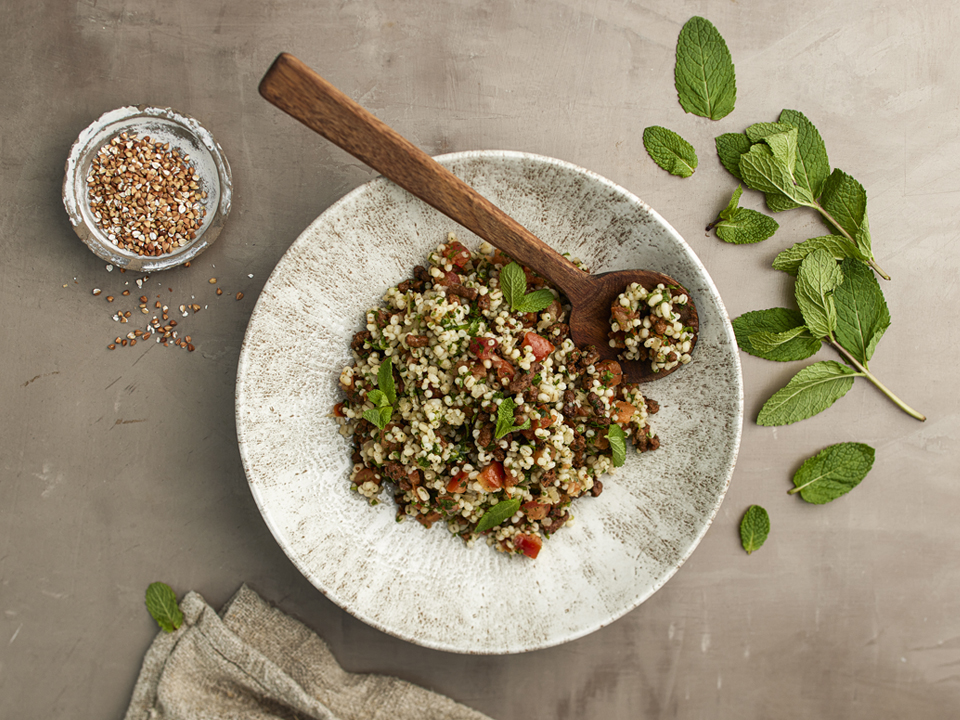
(587, 629)
(74, 189)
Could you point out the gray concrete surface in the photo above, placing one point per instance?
(121, 468)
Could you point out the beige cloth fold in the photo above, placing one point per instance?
(256, 663)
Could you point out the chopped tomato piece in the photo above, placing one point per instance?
(483, 347)
(448, 279)
(504, 369)
(609, 373)
(624, 412)
(456, 254)
(491, 477)
(458, 483)
(535, 510)
(529, 545)
(540, 346)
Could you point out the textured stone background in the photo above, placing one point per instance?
(122, 468)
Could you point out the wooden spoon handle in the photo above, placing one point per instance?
(302, 93)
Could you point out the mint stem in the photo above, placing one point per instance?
(880, 386)
(827, 216)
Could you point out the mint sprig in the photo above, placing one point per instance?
(742, 226)
(833, 472)
(704, 74)
(383, 398)
(670, 151)
(162, 603)
(754, 528)
(505, 419)
(618, 444)
(513, 285)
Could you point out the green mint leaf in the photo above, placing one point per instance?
(746, 226)
(378, 398)
(773, 322)
(505, 417)
(812, 167)
(385, 381)
(834, 471)
(375, 417)
(839, 247)
(730, 146)
(162, 604)
(386, 412)
(810, 391)
(818, 277)
(535, 302)
(779, 203)
(732, 206)
(754, 528)
(846, 201)
(670, 151)
(781, 139)
(513, 284)
(704, 74)
(762, 171)
(862, 313)
(761, 130)
(618, 444)
(503, 510)
(769, 343)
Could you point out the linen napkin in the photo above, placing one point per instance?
(256, 663)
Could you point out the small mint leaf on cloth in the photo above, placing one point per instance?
(773, 322)
(503, 510)
(862, 313)
(704, 74)
(618, 444)
(730, 146)
(789, 260)
(810, 391)
(762, 170)
(812, 167)
(162, 603)
(833, 472)
(818, 277)
(670, 151)
(743, 226)
(754, 528)
(846, 201)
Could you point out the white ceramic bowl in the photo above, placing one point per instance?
(163, 125)
(426, 586)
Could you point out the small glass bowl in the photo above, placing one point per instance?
(184, 134)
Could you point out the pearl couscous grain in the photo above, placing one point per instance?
(457, 352)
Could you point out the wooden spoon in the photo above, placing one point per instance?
(299, 91)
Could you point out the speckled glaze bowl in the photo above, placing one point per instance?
(427, 586)
(165, 125)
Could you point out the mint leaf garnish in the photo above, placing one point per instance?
(162, 604)
(818, 277)
(670, 151)
(704, 75)
(839, 247)
(771, 323)
(513, 285)
(845, 201)
(834, 471)
(762, 170)
(618, 444)
(812, 167)
(505, 418)
(503, 510)
(810, 391)
(730, 146)
(385, 381)
(862, 314)
(742, 225)
(754, 528)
